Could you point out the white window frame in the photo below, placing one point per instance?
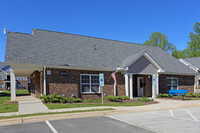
(1, 86)
(88, 83)
(1, 77)
(172, 78)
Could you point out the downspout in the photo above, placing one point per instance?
(44, 82)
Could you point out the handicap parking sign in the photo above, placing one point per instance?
(101, 79)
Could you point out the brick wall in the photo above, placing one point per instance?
(35, 84)
(70, 84)
(184, 82)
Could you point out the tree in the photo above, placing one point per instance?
(180, 54)
(160, 40)
(193, 48)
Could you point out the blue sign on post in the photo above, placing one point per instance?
(154, 79)
(101, 79)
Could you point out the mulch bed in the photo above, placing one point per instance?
(123, 101)
(174, 98)
(12, 102)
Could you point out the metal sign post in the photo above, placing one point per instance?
(101, 84)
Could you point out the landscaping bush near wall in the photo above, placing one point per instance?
(59, 99)
(192, 95)
(145, 99)
(117, 98)
(186, 95)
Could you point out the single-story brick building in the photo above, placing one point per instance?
(62, 63)
(194, 63)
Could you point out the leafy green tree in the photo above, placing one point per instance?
(193, 49)
(180, 54)
(160, 40)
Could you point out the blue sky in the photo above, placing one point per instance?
(125, 20)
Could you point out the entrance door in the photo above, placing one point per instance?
(140, 88)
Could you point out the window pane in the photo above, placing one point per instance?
(95, 88)
(85, 79)
(175, 81)
(94, 79)
(168, 81)
(85, 88)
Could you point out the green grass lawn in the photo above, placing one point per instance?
(10, 107)
(18, 92)
(77, 105)
(191, 98)
(51, 113)
(7, 107)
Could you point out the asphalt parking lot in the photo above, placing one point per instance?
(167, 121)
(99, 124)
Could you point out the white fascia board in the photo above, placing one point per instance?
(189, 64)
(148, 58)
(186, 74)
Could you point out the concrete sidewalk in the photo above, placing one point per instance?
(30, 105)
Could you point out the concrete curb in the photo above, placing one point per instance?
(40, 118)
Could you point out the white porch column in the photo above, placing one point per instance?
(153, 86)
(126, 84)
(114, 89)
(44, 82)
(131, 86)
(157, 84)
(13, 85)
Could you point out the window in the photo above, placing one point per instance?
(1, 86)
(172, 83)
(89, 83)
(20, 86)
(1, 77)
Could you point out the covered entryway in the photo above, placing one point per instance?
(22, 71)
(142, 78)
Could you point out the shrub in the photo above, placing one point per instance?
(162, 95)
(188, 95)
(43, 97)
(117, 98)
(91, 101)
(192, 95)
(145, 99)
(59, 99)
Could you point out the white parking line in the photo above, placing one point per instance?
(134, 124)
(192, 115)
(171, 113)
(175, 117)
(51, 127)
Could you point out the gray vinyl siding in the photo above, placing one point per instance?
(142, 66)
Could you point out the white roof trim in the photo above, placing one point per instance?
(148, 58)
(189, 64)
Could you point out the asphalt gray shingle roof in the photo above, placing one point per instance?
(194, 61)
(55, 48)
